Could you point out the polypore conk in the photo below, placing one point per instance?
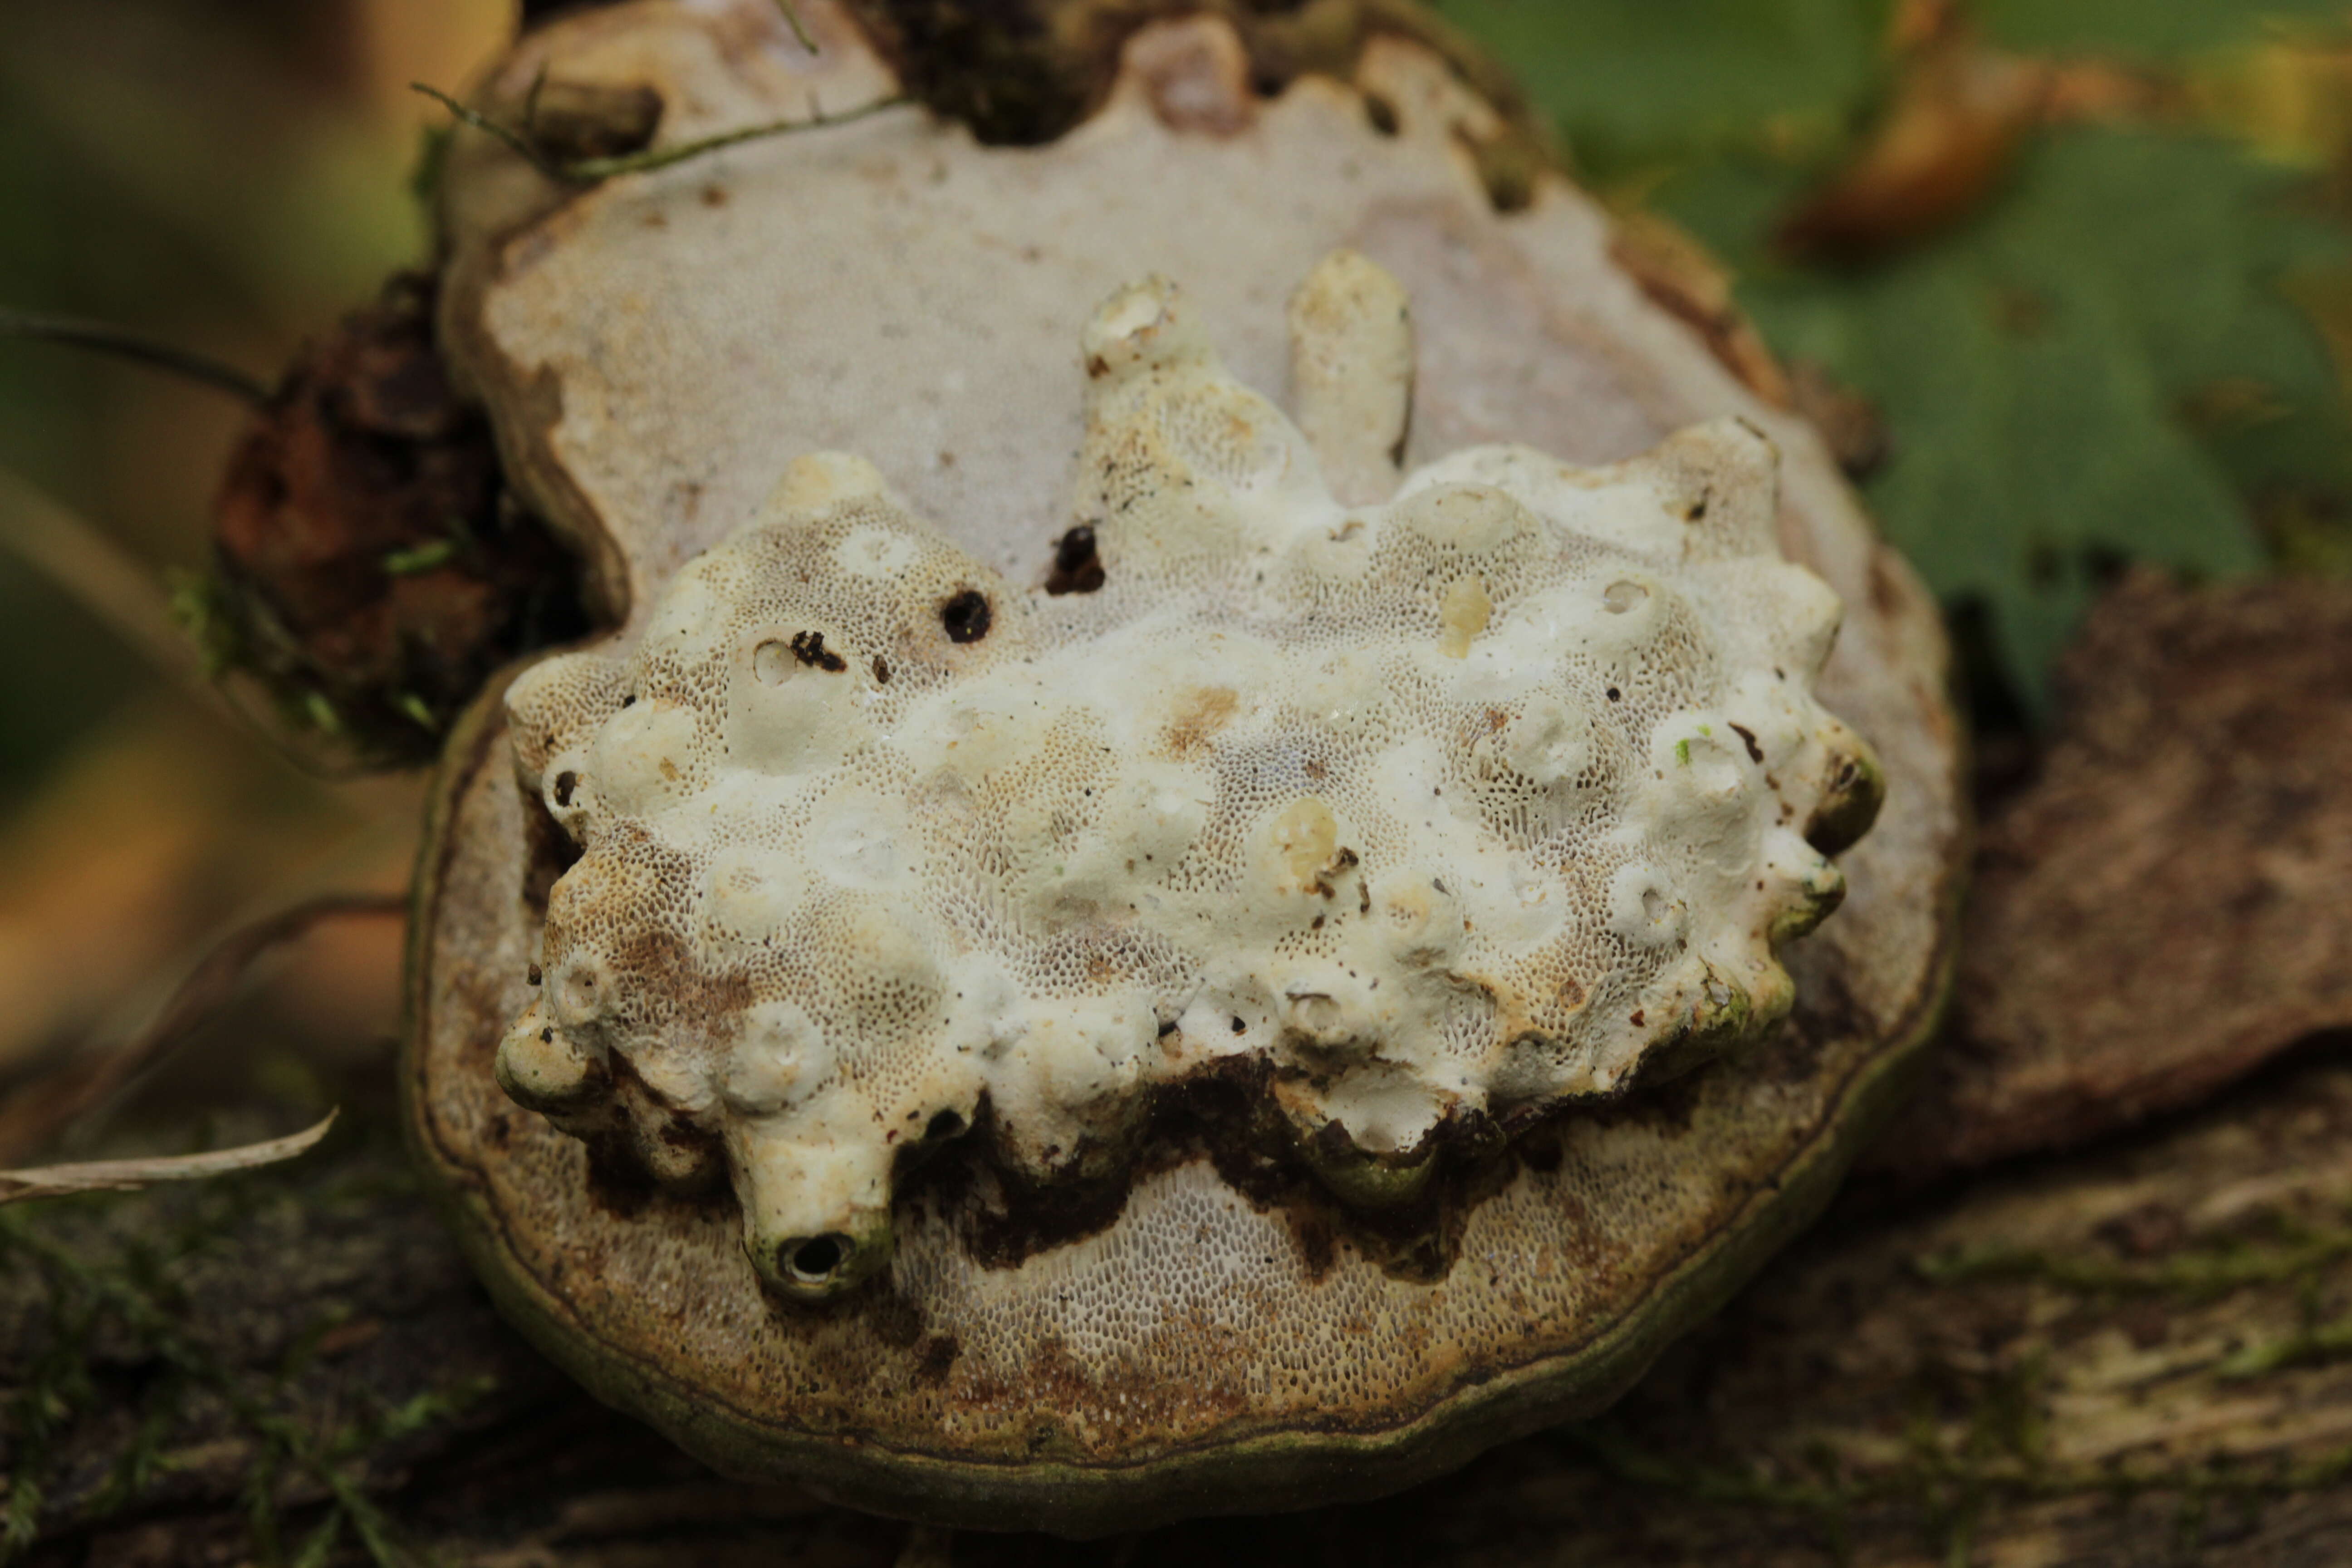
(1448, 808)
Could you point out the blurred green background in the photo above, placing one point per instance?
(230, 175)
(2085, 261)
(2070, 281)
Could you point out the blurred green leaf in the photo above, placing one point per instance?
(1632, 82)
(2100, 367)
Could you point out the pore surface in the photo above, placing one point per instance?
(1427, 805)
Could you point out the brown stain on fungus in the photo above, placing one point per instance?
(1680, 277)
(1199, 715)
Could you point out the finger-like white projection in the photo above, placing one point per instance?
(1439, 810)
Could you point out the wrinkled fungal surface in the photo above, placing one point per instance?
(1448, 810)
(1240, 1016)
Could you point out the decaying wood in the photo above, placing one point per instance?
(370, 568)
(2131, 1355)
(2164, 906)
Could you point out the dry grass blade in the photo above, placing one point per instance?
(104, 337)
(37, 1109)
(125, 1176)
(102, 577)
(127, 595)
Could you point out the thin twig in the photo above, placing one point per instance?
(129, 1175)
(594, 171)
(799, 27)
(125, 343)
(515, 140)
(38, 1110)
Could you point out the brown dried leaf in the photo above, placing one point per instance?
(127, 1175)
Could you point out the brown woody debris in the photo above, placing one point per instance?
(1959, 113)
(370, 568)
(2165, 906)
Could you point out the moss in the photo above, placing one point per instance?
(1948, 1485)
(99, 1288)
(2194, 1272)
(2308, 533)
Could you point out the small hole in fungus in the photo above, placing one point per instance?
(966, 616)
(1623, 596)
(534, 974)
(816, 1258)
(944, 1124)
(565, 782)
(630, 700)
(1240, 1027)
(1381, 113)
(1615, 695)
(881, 670)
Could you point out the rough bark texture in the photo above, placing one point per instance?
(2128, 1356)
(2136, 1354)
(2163, 907)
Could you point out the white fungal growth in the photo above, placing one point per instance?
(1445, 809)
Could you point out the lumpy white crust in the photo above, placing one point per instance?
(1439, 810)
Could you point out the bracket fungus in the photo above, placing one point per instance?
(1092, 949)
